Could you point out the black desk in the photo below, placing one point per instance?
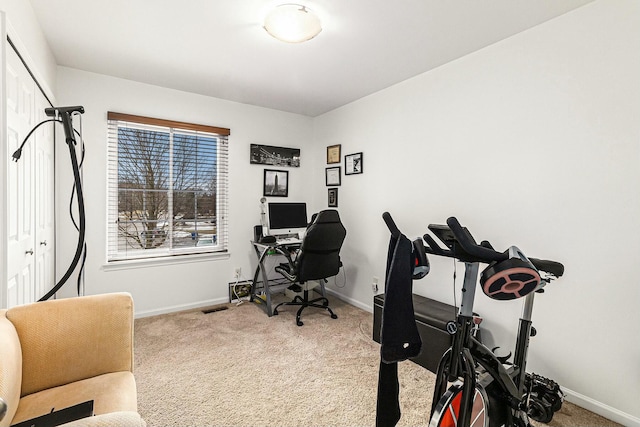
(262, 251)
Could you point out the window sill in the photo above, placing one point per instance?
(162, 261)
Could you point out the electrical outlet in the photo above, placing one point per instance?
(238, 272)
(374, 284)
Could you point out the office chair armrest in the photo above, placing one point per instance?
(287, 271)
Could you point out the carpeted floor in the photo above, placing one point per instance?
(238, 367)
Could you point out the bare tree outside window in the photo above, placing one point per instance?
(167, 185)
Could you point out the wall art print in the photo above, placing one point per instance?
(274, 156)
(276, 183)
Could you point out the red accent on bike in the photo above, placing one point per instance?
(452, 411)
(450, 417)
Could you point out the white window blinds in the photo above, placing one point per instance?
(167, 188)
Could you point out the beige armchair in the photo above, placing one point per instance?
(59, 353)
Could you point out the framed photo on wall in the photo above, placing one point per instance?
(274, 156)
(333, 154)
(332, 197)
(276, 183)
(332, 175)
(353, 164)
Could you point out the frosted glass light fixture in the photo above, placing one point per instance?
(292, 23)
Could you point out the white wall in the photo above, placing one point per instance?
(180, 285)
(24, 31)
(534, 141)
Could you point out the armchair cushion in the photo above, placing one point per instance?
(10, 366)
(114, 419)
(63, 352)
(109, 392)
(65, 341)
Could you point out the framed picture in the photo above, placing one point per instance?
(276, 183)
(275, 156)
(333, 154)
(353, 164)
(333, 197)
(332, 175)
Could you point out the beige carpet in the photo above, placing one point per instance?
(238, 367)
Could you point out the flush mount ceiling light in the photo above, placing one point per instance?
(292, 23)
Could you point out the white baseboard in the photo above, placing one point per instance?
(206, 303)
(601, 409)
(181, 307)
(351, 301)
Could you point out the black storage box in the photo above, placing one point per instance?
(431, 318)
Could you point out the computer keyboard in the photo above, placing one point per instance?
(288, 241)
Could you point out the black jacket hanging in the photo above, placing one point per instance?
(399, 337)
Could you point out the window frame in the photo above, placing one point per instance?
(116, 121)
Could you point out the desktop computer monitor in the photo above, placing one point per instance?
(287, 218)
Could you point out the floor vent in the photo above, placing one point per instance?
(214, 309)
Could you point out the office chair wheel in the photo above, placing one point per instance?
(299, 322)
(334, 316)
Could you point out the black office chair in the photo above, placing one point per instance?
(317, 259)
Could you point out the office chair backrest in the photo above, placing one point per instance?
(319, 255)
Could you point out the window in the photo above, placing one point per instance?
(167, 188)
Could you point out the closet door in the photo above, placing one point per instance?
(44, 210)
(30, 187)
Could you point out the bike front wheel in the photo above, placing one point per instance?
(485, 411)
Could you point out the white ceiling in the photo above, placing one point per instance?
(219, 48)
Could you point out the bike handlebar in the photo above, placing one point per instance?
(462, 245)
(391, 225)
(470, 246)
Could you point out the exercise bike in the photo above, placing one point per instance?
(474, 387)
